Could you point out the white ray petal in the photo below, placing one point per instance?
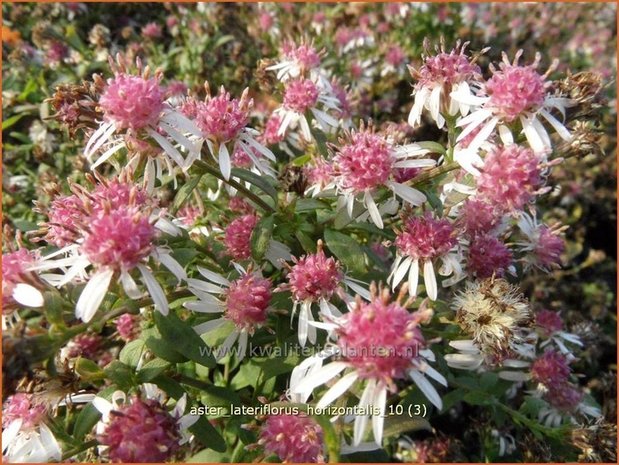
(225, 165)
(28, 295)
(129, 285)
(171, 264)
(373, 209)
(413, 277)
(401, 272)
(208, 326)
(378, 421)
(409, 194)
(93, 294)
(319, 376)
(337, 389)
(155, 290)
(426, 387)
(361, 421)
(429, 279)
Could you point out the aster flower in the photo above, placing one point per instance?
(542, 245)
(25, 436)
(19, 285)
(510, 177)
(223, 122)
(438, 77)
(496, 315)
(244, 302)
(314, 279)
(117, 230)
(135, 106)
(304, 97)
(513, 93)
(293, 438)
(487, 256)
(320, 176)
(142, 428)
(551, 327)
(422, 242)
(297, 61)
(366, 162)
(237, 240)
(376, 344)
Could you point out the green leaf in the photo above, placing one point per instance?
(346, 249)
(152, 369)
(88, 370)
(304, 205)
(306, 242)
(258, 181)
(209, 456)
(321, 142)
(185, 339)
(261, 236)
(131, 353)
(120, 374)
(184, 193)
(396, 425)
(478, 398)
(434, 147)
(10, 121)
(207, 435)
(163, 350)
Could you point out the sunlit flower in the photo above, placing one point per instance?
(438, 77)
(422, 242)
(142, 428)
(366, 162)
(135, 106)
(293, 438)
(513, 93)
(244, 303)
(314, 279)
(377, 343)
(223, 121)
(25, 436)
(117, 233)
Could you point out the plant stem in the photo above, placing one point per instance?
(211, 169)
(434, 173)
(83, 447)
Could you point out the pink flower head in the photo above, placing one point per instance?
(300, 95)
(395, 56)
(141, 431)
(548, 248)
(222, 118)
(293, 438)
(380, 339)
(564, 397)
(132, 102)
(266, 20)
(14, 266)
(314, 277)
(119, 239)
(425, 237)
(319, 173)
(446, 69)
(189, 214)
(56, 52)
(175, 88)
(478, 217)
(514, 89)
(551, 369)
(488, 256)
(304, 55)
(240, 205)
(127, 326)
(340, 93)
(65, 214)
(549, 322)
(365, 163)
(85, 345)
(22, 406)
(113, 195)
(271, 130)
(247, 300)
(510, 177)
(151, 31)
(241, 159)
(237, 236)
